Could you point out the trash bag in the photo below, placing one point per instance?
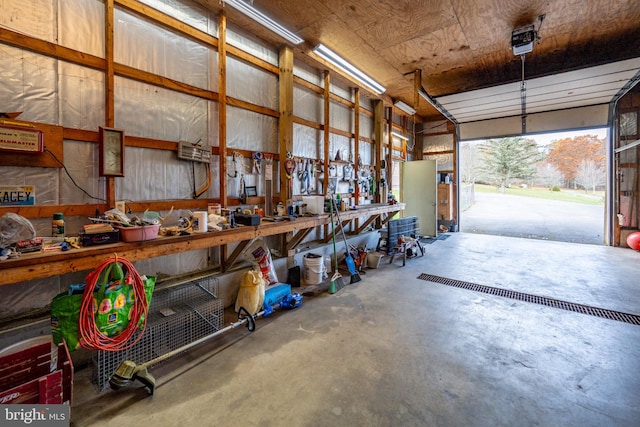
(251, 293)
(14, 228)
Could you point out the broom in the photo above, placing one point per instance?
(351, 265)
(336, 279)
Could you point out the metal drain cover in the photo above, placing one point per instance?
(619, 316)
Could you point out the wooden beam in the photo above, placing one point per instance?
(297, 238)
(50, 50)
(366, 224)
(168, 22)
(229, 262)
(325, 127)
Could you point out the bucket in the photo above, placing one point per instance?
(373, 259)
(313, 266)
(200, 222)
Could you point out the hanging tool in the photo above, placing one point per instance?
(235, 166)
(304, 179)
(257, 162)
(243, 190)
(289, 168)
(347, 172)
(312, 169)
(127, 372)
(351, 265)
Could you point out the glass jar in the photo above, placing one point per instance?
(57, 225)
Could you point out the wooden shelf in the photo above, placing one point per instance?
(46, 264)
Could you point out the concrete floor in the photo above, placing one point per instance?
(393, 350)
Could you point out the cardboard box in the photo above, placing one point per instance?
(93, 239)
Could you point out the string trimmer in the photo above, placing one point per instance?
(127, 372)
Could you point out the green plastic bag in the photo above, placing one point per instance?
(113, 301)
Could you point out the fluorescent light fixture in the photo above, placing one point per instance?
(396, 134)
(405, 107)
(344, 66)
(263, 19)
(423, 93)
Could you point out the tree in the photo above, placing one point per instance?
(568, 153)
(470, 162)
(548, 175)
(507, 159)
(590, 175)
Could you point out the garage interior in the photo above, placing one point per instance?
(545, 333)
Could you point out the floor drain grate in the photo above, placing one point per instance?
(619, 316)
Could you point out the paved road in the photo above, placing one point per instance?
(517, 216)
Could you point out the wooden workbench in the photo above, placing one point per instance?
(46, 264)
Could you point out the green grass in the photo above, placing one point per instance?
(575, 196)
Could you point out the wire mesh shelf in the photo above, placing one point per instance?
(177, 316)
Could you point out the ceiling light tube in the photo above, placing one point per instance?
(396, 134)
(405, 107)
(264, 20)
(340, 63)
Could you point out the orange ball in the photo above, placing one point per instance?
(633, 240)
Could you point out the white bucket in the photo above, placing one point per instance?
(313, 270)
(373, 259)
(200, 222)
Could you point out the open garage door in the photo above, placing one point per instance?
(572, 100)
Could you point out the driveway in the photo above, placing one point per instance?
(517, 216)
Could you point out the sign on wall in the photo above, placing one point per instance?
(13, 138)
(17, 195)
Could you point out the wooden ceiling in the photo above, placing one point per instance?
(459, 45)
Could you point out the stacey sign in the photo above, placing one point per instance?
(17, 195)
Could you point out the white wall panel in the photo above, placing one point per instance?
(251, 84)
(143, 45)
(151, 112)
(28, 84)
(251, 131)
(307, 142)
(36, 18)
(190, 13)
(308, 104)
(81, 160)
(81, 97)
(79, 18)
(250, 44)
(341, 117)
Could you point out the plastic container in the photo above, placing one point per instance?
(139, 233)
(313, 267)
(200, 222)
(315, 204)
(373, 259)
(57, 225)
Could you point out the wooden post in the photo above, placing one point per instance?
(109, 92)
(378, 118)
(222, 119)
(222, 104)
(285, 123)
